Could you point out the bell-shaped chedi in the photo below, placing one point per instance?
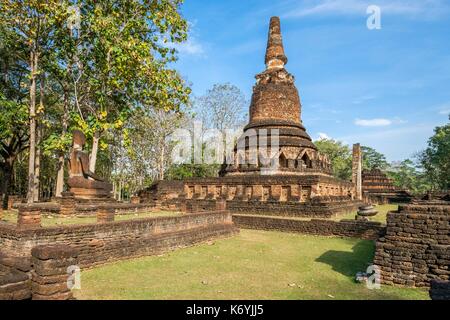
(275, 115)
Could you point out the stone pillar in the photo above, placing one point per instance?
(29, 217)
(53, 267)
(135, 200)
(67, 204)
(105, 214)
(357, 171)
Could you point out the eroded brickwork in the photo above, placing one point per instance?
(416, 247)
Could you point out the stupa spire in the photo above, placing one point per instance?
(275, 57)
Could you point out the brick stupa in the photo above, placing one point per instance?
(276, 105)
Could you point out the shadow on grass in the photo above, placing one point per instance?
(349, 263)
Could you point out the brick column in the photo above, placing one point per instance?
(357, 171)
(51, 272)
(67, 204)
(29, 217)
(105, 214)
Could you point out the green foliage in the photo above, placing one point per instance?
(340, 156)
(183, 171)
(435, 159)
(373, 159)
(408, 176)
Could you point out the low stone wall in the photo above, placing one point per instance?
(15, 279)
(105, 242)
(272, 208)
(416, 247)
(343, 228)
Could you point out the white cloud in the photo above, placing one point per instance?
(363, 99)
(373, 122)
(192, 46)
(358, 7)
(323, 136)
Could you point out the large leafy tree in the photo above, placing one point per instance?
(372, 159)
(123, 63)
(32, 24)
(435, 159)
(13, 107)
(340, 156)
(98, 72)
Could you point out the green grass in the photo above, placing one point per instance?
(51, 220)
(380, 217)
(252, 265)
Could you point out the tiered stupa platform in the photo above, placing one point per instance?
(379, 188)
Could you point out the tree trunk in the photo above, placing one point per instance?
(7, 173)
(161, 164)
(32, 141)
(61, 163)
(37, 164)
(93, 159)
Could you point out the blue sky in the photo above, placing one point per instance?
(384, 88)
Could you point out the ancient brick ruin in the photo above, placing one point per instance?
(288, 177)
(377, 187)
(416, 247)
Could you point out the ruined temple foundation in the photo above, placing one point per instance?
(275, 167)
(379, 189)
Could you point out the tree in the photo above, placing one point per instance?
(221, 107)
(13, 140)
(435, 159)
(123, 62)
(33, 23)
(340, 156)
(373, 159)
(407, 175)
(13, 106)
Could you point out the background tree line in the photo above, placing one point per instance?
(105, 67)
(428, 170)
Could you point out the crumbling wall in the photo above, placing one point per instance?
(416, 247)
(106, 242)
(345, 228)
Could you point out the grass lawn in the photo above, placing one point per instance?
(252, 265)
(380, 217)
(51, 221)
